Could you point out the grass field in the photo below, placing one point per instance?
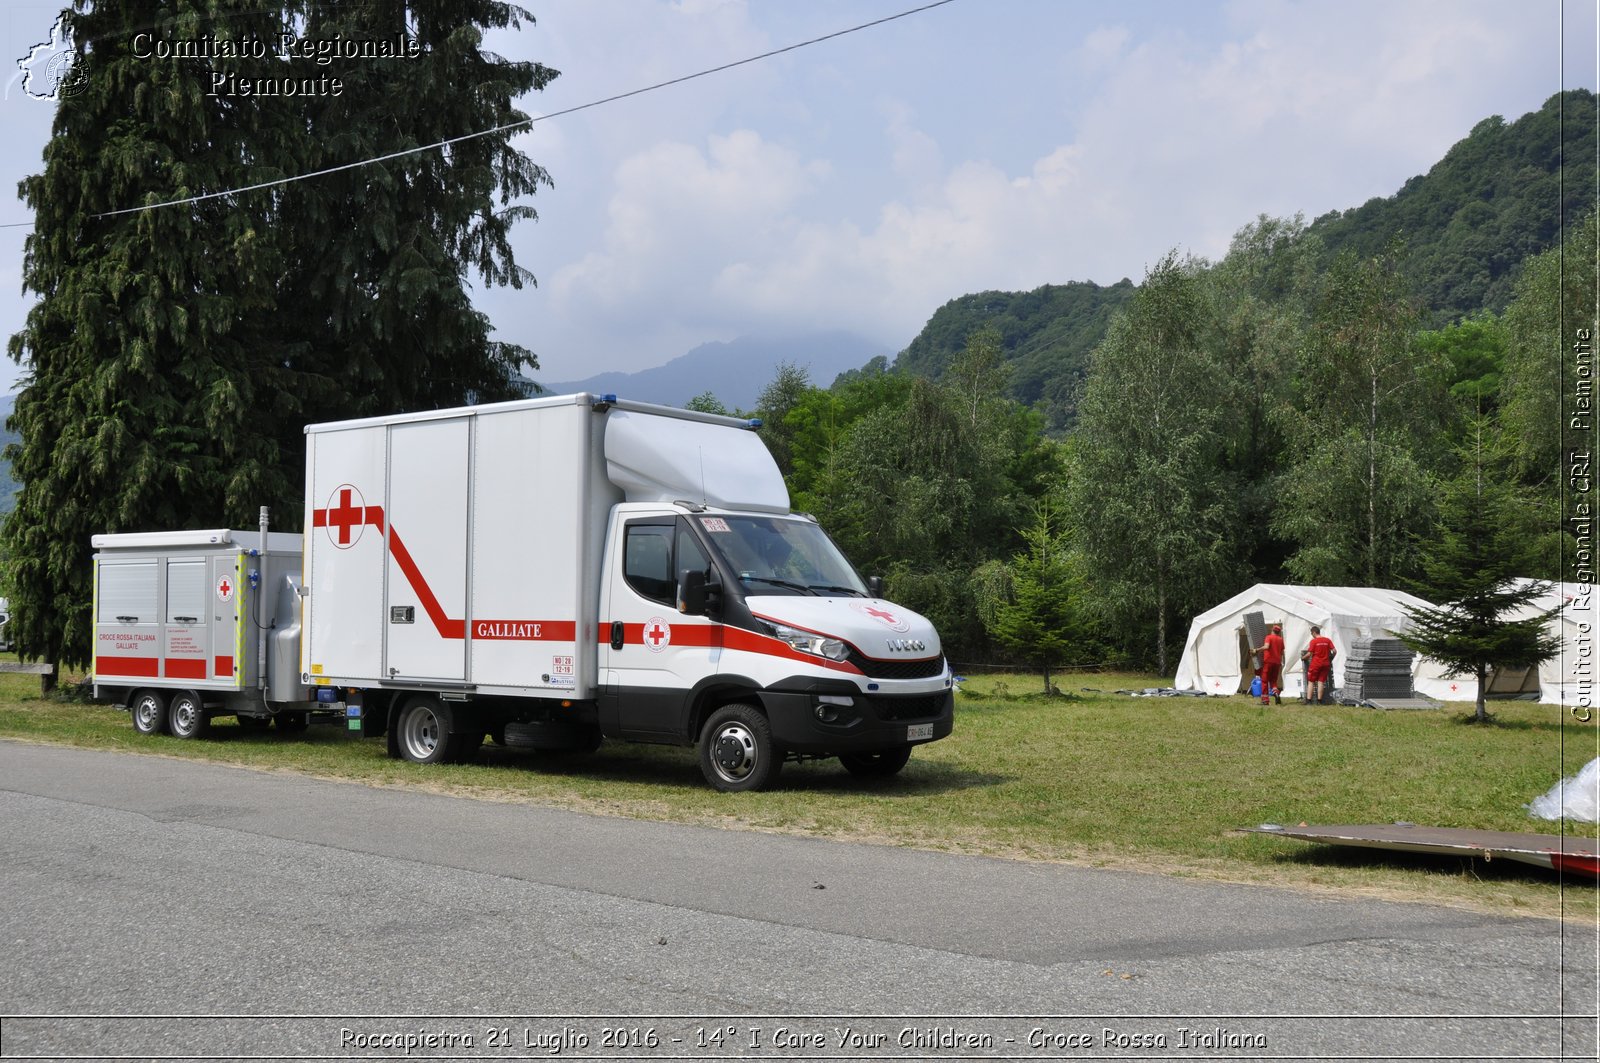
(1091, 777)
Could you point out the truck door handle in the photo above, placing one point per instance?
(616, 634)
(187, 619)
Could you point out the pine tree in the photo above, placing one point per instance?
(1472, 565)
(175, 354)
(1038, 619)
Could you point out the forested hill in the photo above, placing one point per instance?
(1494, 199)
(1468, 224)
(1047, 335)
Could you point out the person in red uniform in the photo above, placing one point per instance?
(1272, 665)
(1319, 665)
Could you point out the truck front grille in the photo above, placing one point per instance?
(877, 668)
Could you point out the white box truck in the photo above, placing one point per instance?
(552, 571)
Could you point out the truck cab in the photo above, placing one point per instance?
(751, 635)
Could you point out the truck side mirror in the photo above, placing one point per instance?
(875, 586)
(692, 592)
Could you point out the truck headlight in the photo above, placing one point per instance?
(807, 642)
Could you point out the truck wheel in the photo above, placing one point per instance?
(876, 765)
(736, 750)
(149, 711)
(425, 732)
(187, 716)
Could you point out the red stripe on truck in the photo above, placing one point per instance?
(732, 638)
(144, 667)
(526, 630)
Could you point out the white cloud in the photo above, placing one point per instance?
(1179, 135)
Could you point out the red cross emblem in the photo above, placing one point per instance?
(346, 510)
(657, 634)
(224, 589)
(882, 616)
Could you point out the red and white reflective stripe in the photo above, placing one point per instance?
(731, 638)
(346, 515)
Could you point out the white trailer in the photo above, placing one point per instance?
(191, 625)
(555, 571)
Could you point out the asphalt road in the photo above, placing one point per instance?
(165, 908)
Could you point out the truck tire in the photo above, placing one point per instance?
(736, 750)
(425, 736)
(186, 716)
(149, 711)
(878, 764)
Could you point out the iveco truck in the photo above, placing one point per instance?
(544, 573)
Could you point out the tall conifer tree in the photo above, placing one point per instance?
(175, 354)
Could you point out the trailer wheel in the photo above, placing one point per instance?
(736, 750)
(187, 716)
(149, 711)
(876, 765)
(425, 732)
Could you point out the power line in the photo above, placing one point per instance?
(518, 125)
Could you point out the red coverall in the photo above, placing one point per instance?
(1271, 666)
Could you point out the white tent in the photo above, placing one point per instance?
(1570, 673)
(1216, 659)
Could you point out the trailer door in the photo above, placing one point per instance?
(426, 580)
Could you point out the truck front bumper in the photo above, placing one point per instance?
(830, 718)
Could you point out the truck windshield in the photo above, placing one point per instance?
(780, 555)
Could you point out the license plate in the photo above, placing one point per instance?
(918, 731)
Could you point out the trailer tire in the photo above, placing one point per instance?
(878, 764)
(736, 750)
(186, 715)
(425, 736)
(149, 711)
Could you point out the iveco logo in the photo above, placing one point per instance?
(907, 645)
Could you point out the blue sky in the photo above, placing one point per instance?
(988, 144)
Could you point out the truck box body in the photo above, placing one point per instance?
(463, 548)
(456, 550)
